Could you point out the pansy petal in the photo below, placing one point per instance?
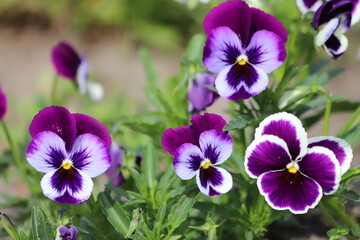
(222, 48)
(342, 150)
(65, 60)
(285, 190)
(321, 14)
(214, 181)
(321, 165)
(187, 161)
(46, 151)
(335, 46)
(67, 186)
(233, 14)
(355, 13)
(113, 171)
(3, 104)
(207, 121)
(90, 155)
(173, 138)
(326, 31)
(266, 153)
(87, 124)
(306, 6)
(241, 81)
(216, 146)
(82, 75)
(55, 119)
(266, 50)
(287, 127)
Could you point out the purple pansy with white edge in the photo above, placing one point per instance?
(70, 149)
(173, 138)
(114, 172)
(3, 104)
(331, 20)
(200, 97)
(292, 172)
(191, 160)
(306, 6)
(244, 44)
(66, 233)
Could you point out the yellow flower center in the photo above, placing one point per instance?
(67, 164)
(205, 164)
(292, 170)
(292, 167)
(242, 60)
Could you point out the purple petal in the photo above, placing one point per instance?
(187, 161)
(326, 31)
(266, 50)
(233, 14)
(46, 151)
(214, 181)
(67, 233)
(173, 138)
(241, 82)
(216, 146)
(3, 104)
(287, 127)
(221, 50)
(355, 13)
(266, 153)
(200, 96)
(55, 119)
(306, 6)
(335, 46)
(113, 172)
(67, 186)
(292, 191)
(65, 60)
(90, 155)
(321, 165)
(338, 146)
(332, 9)
(207, 121)
(87, 124)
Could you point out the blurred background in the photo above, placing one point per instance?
(110, 33)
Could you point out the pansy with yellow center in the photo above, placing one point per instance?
(190, 160)
(293, 172)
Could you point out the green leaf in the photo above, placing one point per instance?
(41, 227)
(114, 213)
(159, 224)
(239, 123)
(149, 165)
(135, 221)
(350, 175)
(352, 136)
(349, 194)
(337, 233)
(139, 182)
(195, 47)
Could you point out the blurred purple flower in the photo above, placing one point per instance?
(138, 160)
(173, 138)
(71, 149)
(3, 104)
(66, 233)
(306, 6)
(244, 44)
(200, 96)
(332, 19)
(114, 172)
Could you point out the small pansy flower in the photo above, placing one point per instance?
(3, 104)
(70, 149)
(331, 20)
(113, 172)
(306, 6)
(293, 172)
(173, 138)
(244, 44)
(200, 97)
(191, 160)
(66, 233)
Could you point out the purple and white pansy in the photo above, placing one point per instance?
(200, 161)
(306, 6)
(331, 20)
(244, 44)
(70, 149)
(293, 172)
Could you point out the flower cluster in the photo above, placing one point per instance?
(244, 44)
(293, 172)
(71, 149)
(197, 149)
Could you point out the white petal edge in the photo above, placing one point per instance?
(304, 10)
(223, 188)
(326, 31)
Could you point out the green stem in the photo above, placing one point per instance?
(340, 212)
(327, 114)
(328, 216)
(349, 123)
(9, 229)
(53, 90)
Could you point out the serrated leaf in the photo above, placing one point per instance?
(41, 227)
(114, 213)
(149, 165)
(349, 194)
(238, 123)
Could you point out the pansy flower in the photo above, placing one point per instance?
(200, 96)
(70, 149)
(200, 160)
(67, 233)
(244, 44)
(3, 104)
(332, 20)
(293, 172)
(113, 172)
(306, 6)
(173, 138)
